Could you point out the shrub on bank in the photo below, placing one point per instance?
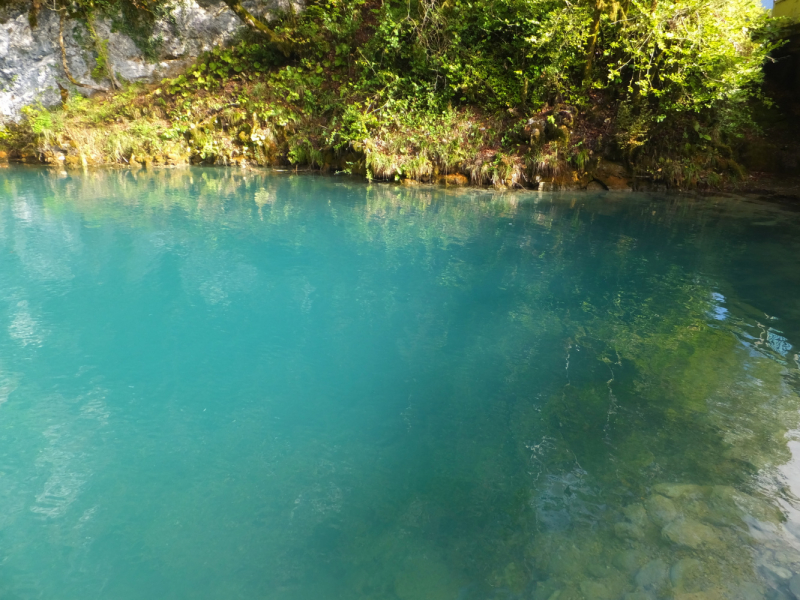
(508, 92)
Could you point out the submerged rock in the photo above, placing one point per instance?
(598, 570)
(725, 498)
(661, 510)
(779, 572)
(634, 527)
(794, 585)
(679, 490)
(686, 575)
(628, 561)
(712, 594)
(653, 575)
(626, 530)
(636, 514)
(690, 533)
(545, 590)
(749, 591)
(593, 590)
(639, 595)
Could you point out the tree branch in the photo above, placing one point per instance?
(594, 31)
(257, 24)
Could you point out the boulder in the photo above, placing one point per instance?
(712, 594)
(679, 490)
(595, 186)
(778, 571)
(794, 585)
(636, 514)
(593, 590)
(628, 531)
(614, 176)
(30, 57)
(628, 561)
(639, 595)
(454, 179)
(690, 533)
(686, 575)
(653, 575)
(661, 510)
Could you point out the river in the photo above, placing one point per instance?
(230, 384)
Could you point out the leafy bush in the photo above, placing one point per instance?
(421, 87)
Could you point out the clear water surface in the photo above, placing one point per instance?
(225, 385)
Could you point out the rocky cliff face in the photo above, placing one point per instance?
(31, 62)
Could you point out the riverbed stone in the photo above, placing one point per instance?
(547, 589)
(778, 571)
(639, 595)
(653, 575)
(732, 504)
(594, 590)
(661, 510)
(627, 530)
(628, 561)
(636, 514)
(748, 590)
(711, 594)
(794, 585)
(690, 533)
(686, 574)
(679, 490)
(598, 570)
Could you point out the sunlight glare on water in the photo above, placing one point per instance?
(219, 384)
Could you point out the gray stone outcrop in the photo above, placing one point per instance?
(30, 58)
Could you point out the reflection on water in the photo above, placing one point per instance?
(219, 384)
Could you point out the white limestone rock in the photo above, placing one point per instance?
(30, 59)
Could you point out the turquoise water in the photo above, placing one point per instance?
(217, 384)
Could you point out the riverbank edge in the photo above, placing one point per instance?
(758, 186)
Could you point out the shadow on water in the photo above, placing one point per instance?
(262, 385)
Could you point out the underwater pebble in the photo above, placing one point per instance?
(690, 533)
(652, 575)
(661, 510)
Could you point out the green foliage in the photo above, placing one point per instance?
(421, 88)
(101, 61)
(41, 121)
